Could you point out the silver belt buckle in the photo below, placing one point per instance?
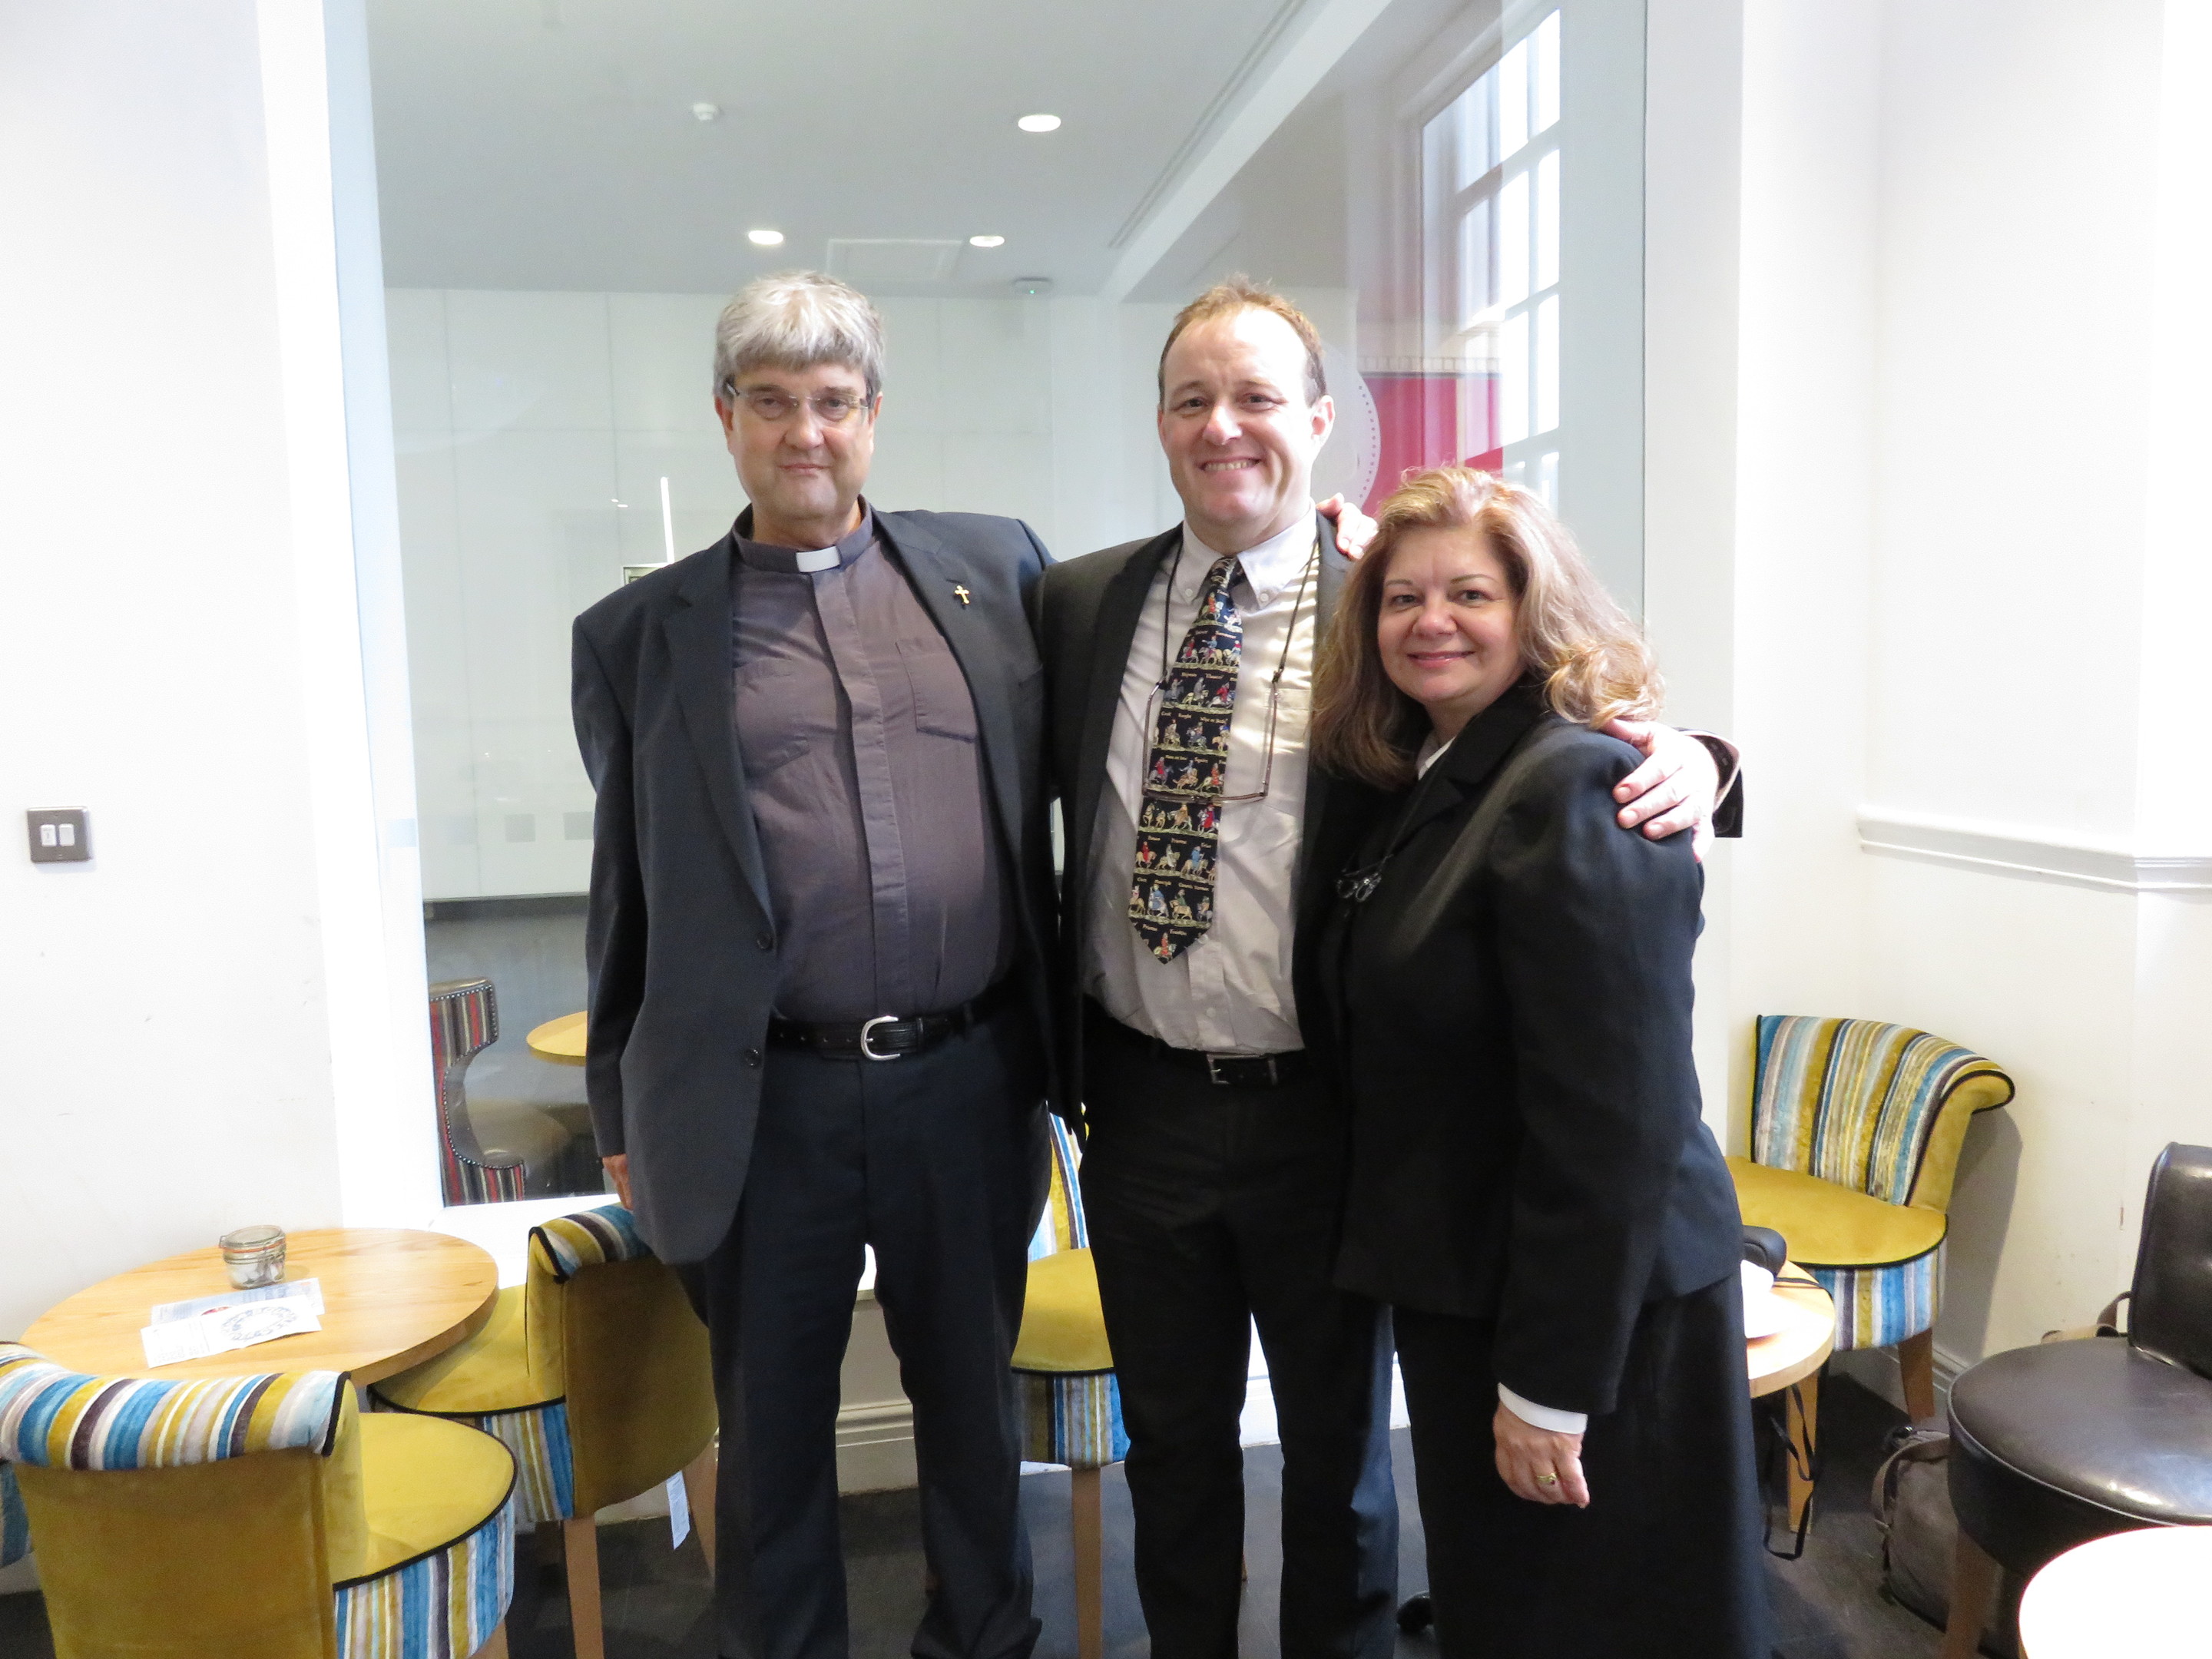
(1214, 1068)
(867, 1050)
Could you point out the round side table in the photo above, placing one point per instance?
(392, 1297)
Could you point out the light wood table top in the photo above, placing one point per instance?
(1802, 1346)
(392, 1297)
(561, 1041)
(2133, 1593)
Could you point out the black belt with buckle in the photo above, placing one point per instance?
(886, 1037)
(1224, 1071)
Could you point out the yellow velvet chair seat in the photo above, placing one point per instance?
(1063, 1326)
(490, 1372)
(426, 1485)
(1832, 1226)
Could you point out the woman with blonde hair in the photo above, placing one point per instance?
(1507, 987)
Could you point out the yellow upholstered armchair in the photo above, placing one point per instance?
(257, 1515)
(1855, 1129)
(594, 1372)
(1071, 1404)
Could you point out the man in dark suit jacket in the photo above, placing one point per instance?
(820, 908)
(1214, 1151)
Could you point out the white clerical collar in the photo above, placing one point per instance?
(1271, 567)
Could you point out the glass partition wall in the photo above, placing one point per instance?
(1453, 193)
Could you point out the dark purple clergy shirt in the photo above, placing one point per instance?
(859, 740)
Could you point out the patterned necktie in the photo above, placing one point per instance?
(1171, 903)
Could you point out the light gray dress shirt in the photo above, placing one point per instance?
(1229, 993)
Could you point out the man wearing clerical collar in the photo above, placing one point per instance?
(820, 908)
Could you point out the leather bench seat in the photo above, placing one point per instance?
(2055, 1445)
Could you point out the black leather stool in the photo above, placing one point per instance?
(2052, 1446)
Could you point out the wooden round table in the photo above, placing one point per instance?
(561, 1041)
(1801, 1346)
(2134, 1593)
(1794, 1355)
(392, 1297)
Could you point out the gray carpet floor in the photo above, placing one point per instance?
(1830, 1604)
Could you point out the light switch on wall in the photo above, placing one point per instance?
(59, 835)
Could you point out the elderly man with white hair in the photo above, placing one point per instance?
(821, 906)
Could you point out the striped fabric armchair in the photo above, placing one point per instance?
(1855, 1131)
(255, 1515)
(1064, 1369)
(594, 1373)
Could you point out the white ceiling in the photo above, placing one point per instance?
(550, 143)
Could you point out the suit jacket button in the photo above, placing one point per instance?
(766, 941)
(752, 1057)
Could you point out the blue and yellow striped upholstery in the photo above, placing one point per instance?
(590, 1237)
(1069, 1416)
(1853, 1101)
(444, 1604)
(54, 1418)
(1875, 1109)
(254, 1514)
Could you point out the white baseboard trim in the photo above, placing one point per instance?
(875, 1446)
(1999, 851)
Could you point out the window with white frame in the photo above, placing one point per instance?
(1490, 166)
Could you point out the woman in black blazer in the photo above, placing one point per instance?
(1507, 979)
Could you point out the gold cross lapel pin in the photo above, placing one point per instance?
(961, 593)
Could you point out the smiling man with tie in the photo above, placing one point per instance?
(1180, 670)
(820, 894)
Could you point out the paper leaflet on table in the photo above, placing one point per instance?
(221, 1330)
(309, 1290)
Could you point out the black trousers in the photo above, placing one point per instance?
(1666, 1562)
(1211, 1208)
(938, 1161)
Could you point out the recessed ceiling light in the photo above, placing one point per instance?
(987, 241)
(706, 112)
(1039, 123)
(765, 238)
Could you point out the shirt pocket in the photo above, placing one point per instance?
(782, 711)
(942, 703)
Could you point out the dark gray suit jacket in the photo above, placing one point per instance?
(682, 944)
(1087, 611)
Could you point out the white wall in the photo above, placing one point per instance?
(1920, 540)
(532, 431)
(200, 1021)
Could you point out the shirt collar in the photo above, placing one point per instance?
(760, 556)
(1271, 567)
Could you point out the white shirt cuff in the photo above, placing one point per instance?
(1542, 1417)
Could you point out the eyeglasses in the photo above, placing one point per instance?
(830, 408)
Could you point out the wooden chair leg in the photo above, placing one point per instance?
(1803, 1413)
(1974, 1584)
(580, 1543)
(1090, 1564)
(494, 1645)
(1916, 1358)
(699, 1476)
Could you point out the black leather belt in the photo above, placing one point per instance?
(1224, 1071)
(886, 1037)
